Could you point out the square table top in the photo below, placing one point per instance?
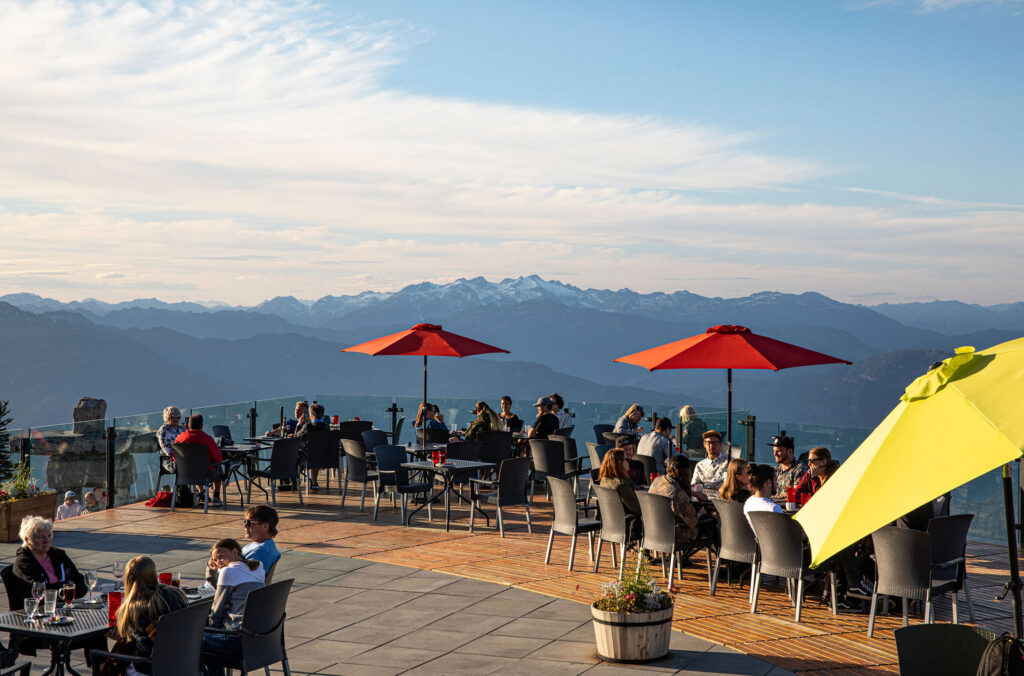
(453, 465)
(87, 622)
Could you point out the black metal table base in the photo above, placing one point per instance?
(447, 491)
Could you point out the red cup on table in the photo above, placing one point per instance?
(654, 475)
(165, 578)
(113, 603)
(356, 418)
(435, 457)
(335, 420)
(791, 495)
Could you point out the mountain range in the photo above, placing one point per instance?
(141, 354)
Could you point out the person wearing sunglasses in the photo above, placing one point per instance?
(260, 525)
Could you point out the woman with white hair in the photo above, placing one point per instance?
(166, 435)
(37, 560)
(690, 433)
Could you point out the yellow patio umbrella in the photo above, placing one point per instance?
(958, 421)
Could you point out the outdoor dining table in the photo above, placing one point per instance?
(423, 451)
(241, 456)
(86, 622)
(447, 471)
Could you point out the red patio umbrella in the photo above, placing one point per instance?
(728, 347)
(427, 340)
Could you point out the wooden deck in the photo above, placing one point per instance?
(821, 643)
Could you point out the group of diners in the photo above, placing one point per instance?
(233, 571)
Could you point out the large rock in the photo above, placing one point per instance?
(89, 416)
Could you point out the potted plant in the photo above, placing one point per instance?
(632, 619)
(20, 496)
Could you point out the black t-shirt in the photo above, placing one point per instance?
(545, 425)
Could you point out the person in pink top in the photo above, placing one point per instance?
(195, 435)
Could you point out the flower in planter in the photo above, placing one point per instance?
(21, 485)
(637, 593)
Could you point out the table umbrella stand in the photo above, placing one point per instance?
(1012, 585)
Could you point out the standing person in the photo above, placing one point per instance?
(69, 508)
(762, 482)
(237, 576)
(315, 421)
(789, 470)
(809, 484)
(627, 424)
(658, 444)
(710, 472)
(195, 435)
(558, 408)
(166, 435)
(736, 486)
(546, 423)
(690, 435)
(508, 418)
(486, 421)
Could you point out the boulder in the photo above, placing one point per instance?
(89, 416)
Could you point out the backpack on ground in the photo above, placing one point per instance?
(1003, 656)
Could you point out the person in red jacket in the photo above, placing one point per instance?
(195, 435)
(816, 461)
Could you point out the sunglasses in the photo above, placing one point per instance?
(249, 522)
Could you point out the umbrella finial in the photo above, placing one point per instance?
(938, 375)
(728, 328)
(426, 327)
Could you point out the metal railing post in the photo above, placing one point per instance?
(110, 436)
(26, 448)
(252, 420)
(751, 424)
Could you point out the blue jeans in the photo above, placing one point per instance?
(220, 644)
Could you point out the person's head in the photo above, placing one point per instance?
(90, 499)
(172, 415)
(301, 408)
(634, 413)
(141, 599)
(614, 464)
(316, 411)
(816, 459)
(228, 551)
(482, 408)
(827, 470)
(37, 534)
(677, 468)
(557, 403)
(737, 478)
(627, 443)
(782, 448)
(543, 405)
(69, 498)
(195, 421)
(686, 414)
(713, 443)
(762, 480)
(663, 427)
(506, 404)
(260, 523)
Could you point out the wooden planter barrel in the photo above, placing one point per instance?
(632, 637)
(13, 511)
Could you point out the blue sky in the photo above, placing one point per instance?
(868, 150)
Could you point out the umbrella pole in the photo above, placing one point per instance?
(424, 379)
(728, 420)
(1013, 584)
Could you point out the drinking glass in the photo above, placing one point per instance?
(118, 572)
(31, 607)
(38, 591)
(164, 578)
(50, 605)
(90, 581)
(176, 580)
(68, 593)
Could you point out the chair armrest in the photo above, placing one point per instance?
(252, 634)
(119, 657)
(221, 630)
(484, 482)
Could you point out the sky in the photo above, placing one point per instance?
(870, 150)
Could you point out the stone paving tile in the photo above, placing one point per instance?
(434, 639)
(474, 623)
(464, 663)
(567, 651)
(503, 646)
(540, 628)
(560, 609)
(528, 667)
(394, 656)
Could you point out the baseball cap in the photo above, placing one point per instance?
(543, 401)
(69, 494)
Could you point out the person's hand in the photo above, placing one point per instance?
(212, 563)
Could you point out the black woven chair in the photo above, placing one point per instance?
(192, 462)
(177, 645)
(737, 540)
(222, 432)
(780, 544)
(353, 429)
(394, 479)
(549, 461)
(358, 470)
(495, 446)
(507, 490)
(432, 436)
(284, 464)
(614, 527)
(948, 535)
(596, 453)
(650, 465)
(903, 559)
(565, 431)
(261, 636)
(323, 451)
(23, 669)
(374, 438)
(599, 431)
(567, 520)
(947, 649)
(396, 434)
(660, 531)
(610, 438)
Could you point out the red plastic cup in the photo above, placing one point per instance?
(113, 603)
(435, 457)
(165, 578)
(791, 495)
(334, 420)
(444, 455)
(654, 475)
(356, 418)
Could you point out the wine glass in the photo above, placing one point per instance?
(118, 572)
(90, 580)
(39, 591)
(68, 593)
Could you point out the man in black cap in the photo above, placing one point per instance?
(546, 422)
(789, 471)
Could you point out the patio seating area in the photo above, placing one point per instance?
(821, 643)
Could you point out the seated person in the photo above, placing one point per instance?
(558, 409)
(69, 508)
(195, 435)
(260, 528)
(509, 419)
(658, 444)
(627, 424)
(166, 435)
(762, 483)
(736, 486)
(710, 471)
(692, 525)
(291, 424)
(614, 475)
(546, 423)
(790, 470)
(316, 421)
(427, 418)
(237, 576)
(811, 481)
(91, 504)
(486, 421)
(145, 600)
(637, 470)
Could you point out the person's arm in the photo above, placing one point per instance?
(683, 509)
(221, 604)
(215, 454)
(70, 572)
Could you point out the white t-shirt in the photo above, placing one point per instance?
(756, 504)
(66, 511)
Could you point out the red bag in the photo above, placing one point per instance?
(161, 499)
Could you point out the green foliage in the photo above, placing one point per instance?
(20, 485)
(6, 467)
(636, 593)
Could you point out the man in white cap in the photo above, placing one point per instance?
(70, 508)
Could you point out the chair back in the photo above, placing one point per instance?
(284, 458)
(735, 451)
(929, 649)
(432, 436)
(780, 540)
(353, 429)
(374, 438)
(564, 500)
(613, 515)
(512, 474)
(222, 431)
(390, 459)
(568, 450)
(903, 559)
(178, 642)
(263, 626)
(17, 589)
(597, 453)
(514, 425)
(192, 461)
(355, 459)
(610, 438)
(565, 431)
(463, 450)
(738, 543)
(941, 505)
(495, 446)
(548, 458)
(650, 466)
(659, 522)
(599, 431)
(948, 536)
(270, 573)
(322, 451)
(397, 433)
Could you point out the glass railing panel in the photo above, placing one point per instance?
(350, 407)
(269, 411)
(69, 456)
(234, 416)
(137, 458)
